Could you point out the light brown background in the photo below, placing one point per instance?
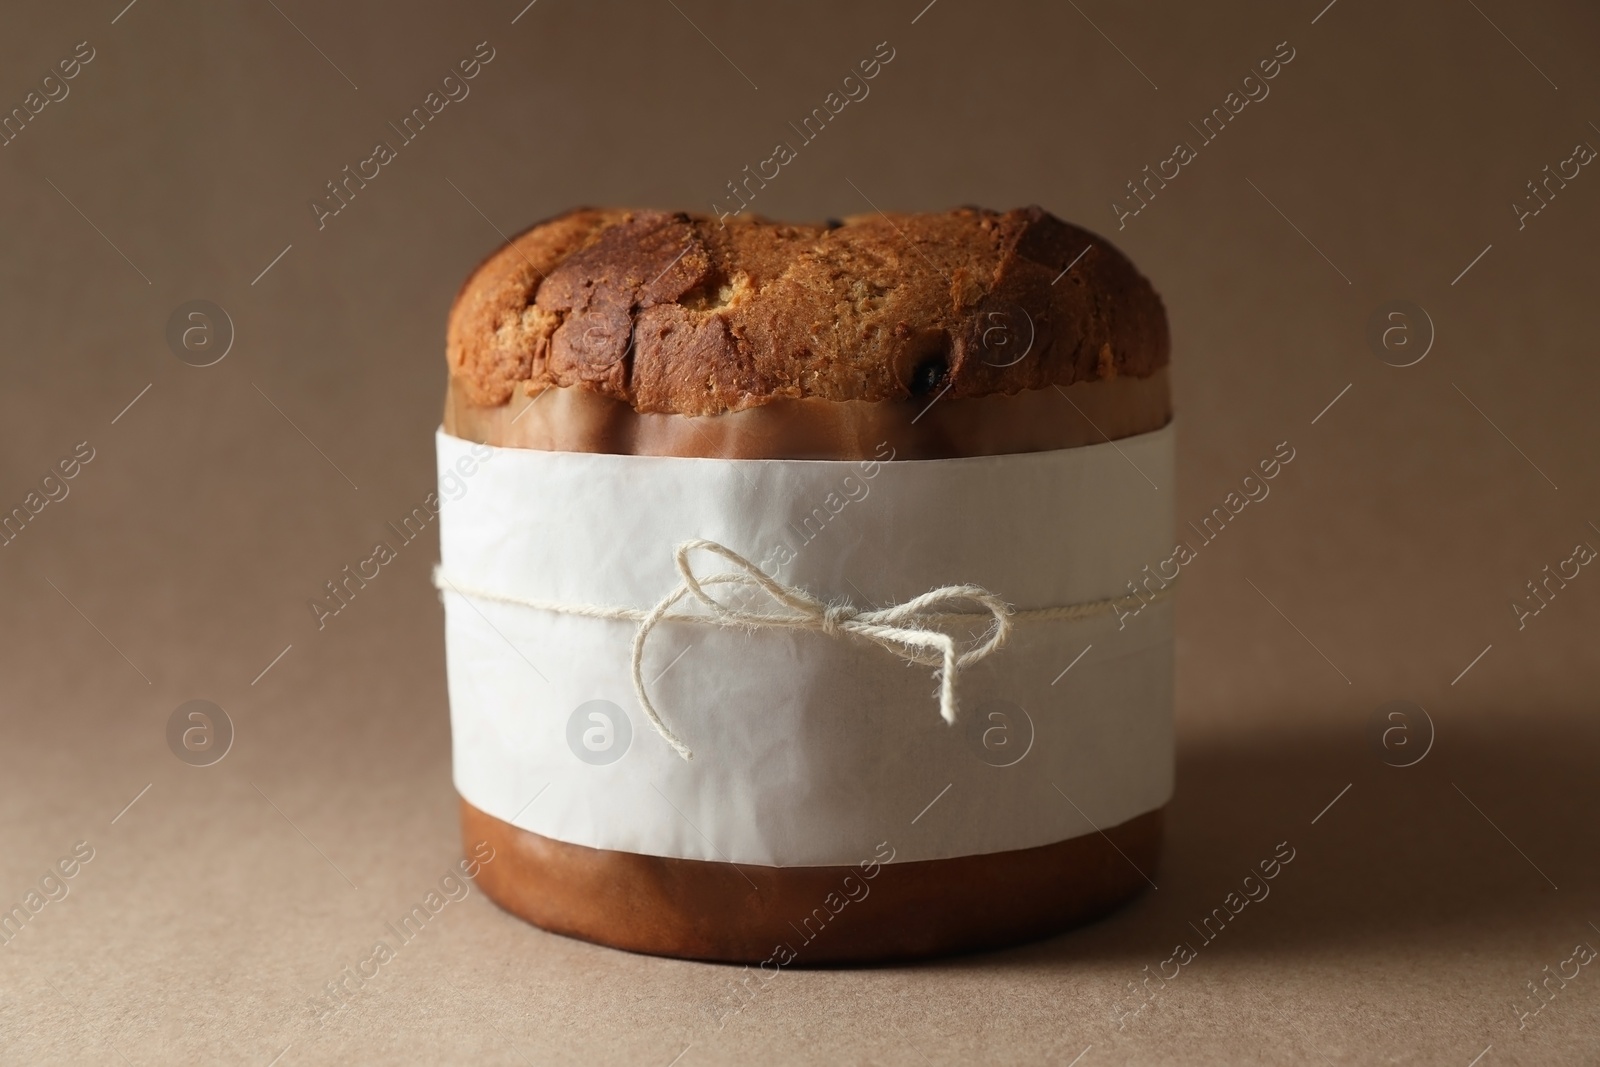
(1396, 140)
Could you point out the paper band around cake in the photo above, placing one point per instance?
(810, 749)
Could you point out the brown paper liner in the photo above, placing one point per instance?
(761, 915)
(740, 913)
(575, 420)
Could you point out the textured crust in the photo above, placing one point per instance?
(680, 314)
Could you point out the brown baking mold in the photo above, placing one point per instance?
(798, 916)
(646, 333)
(684, 314)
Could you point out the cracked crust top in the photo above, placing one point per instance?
(683, 314)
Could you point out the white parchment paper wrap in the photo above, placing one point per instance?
(809, 749)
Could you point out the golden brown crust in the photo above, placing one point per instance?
(678, 313)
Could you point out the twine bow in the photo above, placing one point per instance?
(909, 630)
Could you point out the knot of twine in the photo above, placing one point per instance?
(910, 630)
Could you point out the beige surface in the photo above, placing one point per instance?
(1408, 923)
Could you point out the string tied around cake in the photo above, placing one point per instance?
(909, 630)
(914, 630)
